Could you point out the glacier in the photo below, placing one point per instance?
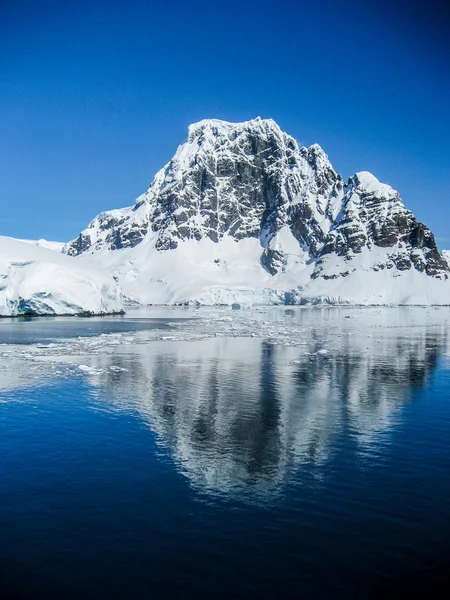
(39, 280)
(243, 215)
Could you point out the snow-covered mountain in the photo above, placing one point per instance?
(243, 214)
(37, 280)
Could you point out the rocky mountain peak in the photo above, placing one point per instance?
(252, 180)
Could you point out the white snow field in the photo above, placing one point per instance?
(446, 255)
(230, 271)
(55, 246)
(35, 280)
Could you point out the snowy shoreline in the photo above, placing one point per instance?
(230, 307)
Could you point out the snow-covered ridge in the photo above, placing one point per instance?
(55, 246)
(39, 281)
(446, 255)
(242, 207)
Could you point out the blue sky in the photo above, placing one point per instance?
(96, 96)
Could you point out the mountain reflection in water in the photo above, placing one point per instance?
(239, 415)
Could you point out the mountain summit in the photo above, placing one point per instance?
(242, 207)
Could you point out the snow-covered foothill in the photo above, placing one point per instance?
(55, 246)
(38, 281)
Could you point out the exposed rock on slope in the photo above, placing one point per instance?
(373, 216)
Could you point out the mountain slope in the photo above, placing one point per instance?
(36, 280)
(242, 213)
(55, 246)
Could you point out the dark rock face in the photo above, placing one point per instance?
(126, 237)
(251, 180)
(80, 245)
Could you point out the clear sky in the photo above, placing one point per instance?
(96, 96)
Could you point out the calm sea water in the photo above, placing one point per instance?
(272, 454)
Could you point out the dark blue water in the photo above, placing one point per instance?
(231, 467)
